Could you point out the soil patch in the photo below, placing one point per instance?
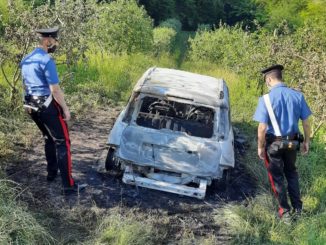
(106, 191)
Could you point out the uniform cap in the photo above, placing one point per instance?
(271, 69)
(48, 32)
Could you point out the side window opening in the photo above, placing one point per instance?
(131, 107)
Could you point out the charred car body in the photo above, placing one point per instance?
(175, 130)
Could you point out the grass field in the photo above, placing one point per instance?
(108, 79)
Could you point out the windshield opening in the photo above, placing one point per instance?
(159, 114)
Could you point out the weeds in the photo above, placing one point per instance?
(131, 227)
(110, 77)
(17, 224)
(256, 222)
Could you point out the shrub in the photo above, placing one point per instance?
(172, 23)
(204, 27)
(226, 46)
(163, 39)
(124, 27)
(302, 53)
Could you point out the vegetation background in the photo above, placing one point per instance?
(106, 45)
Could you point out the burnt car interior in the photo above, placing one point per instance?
(159, 114)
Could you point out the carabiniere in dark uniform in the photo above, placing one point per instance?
(279, 138)
(45, 103)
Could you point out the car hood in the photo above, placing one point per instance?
(170, 151)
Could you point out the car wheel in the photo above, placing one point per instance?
(223, 183)
(227, 178)
(110, 160)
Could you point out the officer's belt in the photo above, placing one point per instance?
(289, 142)
(44, 105)
(271, 137)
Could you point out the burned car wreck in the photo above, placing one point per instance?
(175, 133)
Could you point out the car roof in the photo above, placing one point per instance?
(198, 88)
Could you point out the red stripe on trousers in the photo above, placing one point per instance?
(270, 177)
(66, 134)
(280, 212)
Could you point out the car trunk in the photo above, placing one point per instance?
(176, 152)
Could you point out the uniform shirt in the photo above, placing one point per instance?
(38, 72)
(288, 105)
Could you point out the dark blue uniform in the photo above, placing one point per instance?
(38, 72)
(289, 106)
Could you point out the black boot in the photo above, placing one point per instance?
(75, 189)
(51, 176)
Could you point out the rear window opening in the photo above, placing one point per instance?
(159, 114)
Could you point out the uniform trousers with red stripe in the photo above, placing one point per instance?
(280, 164)
(57, 142)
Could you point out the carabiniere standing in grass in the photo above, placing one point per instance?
(278, 114)
(45, 103)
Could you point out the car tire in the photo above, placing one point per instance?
(227, 178)
(223, 183)
(110, 162)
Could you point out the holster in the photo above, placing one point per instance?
(286, 142)
(289, 144)
(37, 103)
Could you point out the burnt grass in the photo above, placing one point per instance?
(72, 219)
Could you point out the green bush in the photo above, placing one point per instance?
(172, 23)
(283, 11)
(123, 26)
(4, 16)
(204, 27)
(226, 46)
(164, 39)
(303, 53)
(315, 12)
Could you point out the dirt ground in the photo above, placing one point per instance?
(106, 191)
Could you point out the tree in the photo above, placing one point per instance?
(190, 12)
(73, 19)
(277, 11)
(187, 13)
(244, 11)
(36, 3)
(159, 10)
(315, 12)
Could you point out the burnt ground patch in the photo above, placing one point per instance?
(106, 191)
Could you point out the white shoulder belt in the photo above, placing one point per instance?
(272, 115)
